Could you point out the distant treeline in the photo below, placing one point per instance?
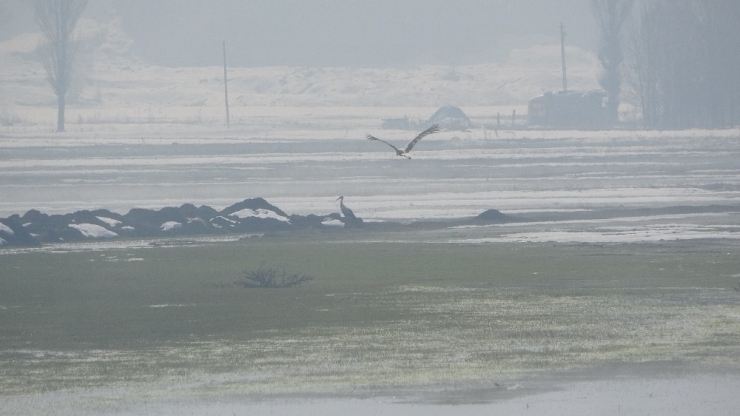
(682, 62)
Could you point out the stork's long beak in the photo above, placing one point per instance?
(339, 198)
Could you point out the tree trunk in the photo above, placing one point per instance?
(60, 112)
(610, 18)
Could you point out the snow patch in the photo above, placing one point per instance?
(172, 305)
(170, 225)
(632, 234)
(3, 242)
(110, 221)
(332, 223)
(259, 213)
(93, 230)
(223, 218)
(5, 229)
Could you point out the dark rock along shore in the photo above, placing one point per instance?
(250, 215)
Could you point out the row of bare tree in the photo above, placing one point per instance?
(678, 59)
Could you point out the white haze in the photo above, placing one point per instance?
(325, 33)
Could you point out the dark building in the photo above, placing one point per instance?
(569, 109)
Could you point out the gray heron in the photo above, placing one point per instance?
(405, 151)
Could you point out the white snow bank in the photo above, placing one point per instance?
(5, 229)
(93, 230)
(220, 217)
(259, 213)
(170, 225)
(172, 305)
(110, 221)
(332, 223)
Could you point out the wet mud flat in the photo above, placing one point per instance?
(392, 327)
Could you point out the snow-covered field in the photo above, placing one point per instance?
(115, 91)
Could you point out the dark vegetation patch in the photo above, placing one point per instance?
(272, 277)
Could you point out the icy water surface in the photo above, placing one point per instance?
(448, 177)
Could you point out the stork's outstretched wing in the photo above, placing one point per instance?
(369, 137)
(430, 130)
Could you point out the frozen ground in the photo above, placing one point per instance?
(116, 91)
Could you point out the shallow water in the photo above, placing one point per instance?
(446, 179)
(656, 396)
(684, 396)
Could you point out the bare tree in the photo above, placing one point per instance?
(57, 20)
(718, 34)
(648, 61)
(682, 60)
(610, 18)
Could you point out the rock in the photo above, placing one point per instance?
(494, 216)
(253, 204)
(13, 233)
(249, 215)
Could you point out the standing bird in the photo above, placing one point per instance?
(405, 151)
(346, 211)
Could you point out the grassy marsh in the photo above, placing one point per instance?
(168, 321)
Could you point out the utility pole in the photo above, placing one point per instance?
(226, 89)
(562, 53)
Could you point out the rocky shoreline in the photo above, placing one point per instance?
(250, 215)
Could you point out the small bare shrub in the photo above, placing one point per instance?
(272, 277)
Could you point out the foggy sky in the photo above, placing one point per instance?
(352, 33)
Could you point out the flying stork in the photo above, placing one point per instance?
(346, 211)
(405, 151)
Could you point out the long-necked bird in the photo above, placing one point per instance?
(345, 210)
(405, 151)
